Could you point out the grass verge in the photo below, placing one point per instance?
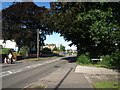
(106, 85)
(92, 65)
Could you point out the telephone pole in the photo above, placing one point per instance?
(38, 43)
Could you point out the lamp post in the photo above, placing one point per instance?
(38, 32)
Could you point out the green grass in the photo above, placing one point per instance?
(105, 85)
(92, 65)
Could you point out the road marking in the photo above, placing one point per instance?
(6, 73)
(10, 72)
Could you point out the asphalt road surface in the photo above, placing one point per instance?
(22, 74)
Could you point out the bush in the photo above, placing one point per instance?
(111, 61)
(116, 59)
(106, 61)
(23, 51)
(46, 51)
(83, 59)
(5, 50)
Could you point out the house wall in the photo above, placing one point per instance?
(8, 44)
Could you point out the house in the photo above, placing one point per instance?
(50, 46)
(9, 44)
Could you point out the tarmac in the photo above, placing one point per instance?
(64, 78)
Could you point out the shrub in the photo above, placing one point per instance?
(5, 50)
(46, 51)
(106, 61)
(83, 59)
(116, 59)
(23, 51)
(111, 61)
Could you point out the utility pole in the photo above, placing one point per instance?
(37, 43)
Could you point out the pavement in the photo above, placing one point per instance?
(64, 77)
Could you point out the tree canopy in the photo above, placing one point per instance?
(20, 22)
(62, 48)
(93, 27)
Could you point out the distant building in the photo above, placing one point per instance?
(50, 46)
(71, 51)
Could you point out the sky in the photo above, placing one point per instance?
(50, 39)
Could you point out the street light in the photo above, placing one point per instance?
(38, 32)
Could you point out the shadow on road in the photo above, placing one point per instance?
(71, 59)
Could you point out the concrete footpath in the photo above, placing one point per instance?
(75, 81)
(63, 77)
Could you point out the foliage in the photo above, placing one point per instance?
(111, 61)
(82, 59)
(93, 27)
(5, 50)
(46, 51)
(1, 46)
(116, 59)
(106, 61)
(100, 31)
(56, 49)
(62, 48)
(20, 22)
(23, 50)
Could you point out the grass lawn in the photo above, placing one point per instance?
(105, 85)
(92, 65)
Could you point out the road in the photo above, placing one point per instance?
(22, 74)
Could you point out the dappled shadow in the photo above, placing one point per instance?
(70, 59)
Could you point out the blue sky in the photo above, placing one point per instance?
(50, 39)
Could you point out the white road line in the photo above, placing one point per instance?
(6, 73)
(10, 72)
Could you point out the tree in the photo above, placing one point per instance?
(1, 46)
(99, 31)
(56, 49)
(46, 51)
(90, 26)
(62, 48)
(21, 21)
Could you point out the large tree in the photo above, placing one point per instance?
(62, 48)
(92, 27)
(20, 22)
